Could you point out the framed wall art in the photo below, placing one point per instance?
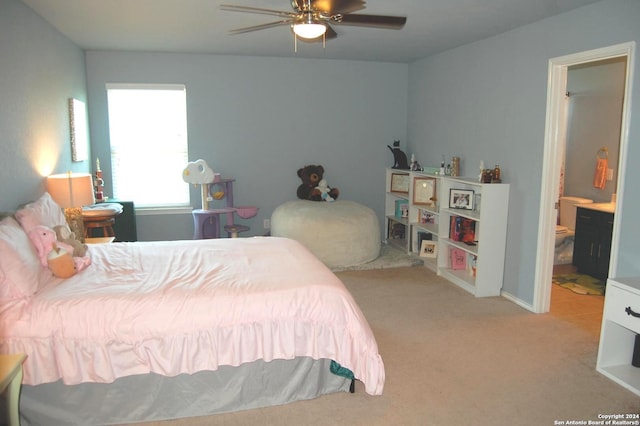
(461, 199)
(78, 130)
(424, 191)
(429, 248)
(399, 182)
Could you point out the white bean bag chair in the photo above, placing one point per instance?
(341, 233)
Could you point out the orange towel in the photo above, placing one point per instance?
(601, 173)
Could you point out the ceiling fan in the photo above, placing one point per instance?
(310, 19)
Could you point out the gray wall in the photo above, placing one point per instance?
(260, 119)
(483, 101)
(40, 70)
(487, 101)
(595, 116)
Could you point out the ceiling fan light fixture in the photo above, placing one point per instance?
(312, 30)
(309, 27)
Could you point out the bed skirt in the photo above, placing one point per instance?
(153, 397)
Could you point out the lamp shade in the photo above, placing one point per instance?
(309, 30)
(71, 189)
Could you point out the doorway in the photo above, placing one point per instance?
(555, 136)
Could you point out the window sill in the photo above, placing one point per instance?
(152, 211)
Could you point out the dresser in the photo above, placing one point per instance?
(620, 326)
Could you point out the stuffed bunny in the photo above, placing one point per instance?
(43, 239)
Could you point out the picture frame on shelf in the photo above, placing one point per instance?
(402, 209)
(429, 249)
(461, 199)
(400, 183)
(424, 191)
(426, 217)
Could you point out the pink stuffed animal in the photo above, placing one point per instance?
(44, 238)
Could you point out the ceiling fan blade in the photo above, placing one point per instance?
(260, 27)
(235, 8)
(336, 6)
(331, 33)
(389, 22)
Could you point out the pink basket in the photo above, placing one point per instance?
(246, 212)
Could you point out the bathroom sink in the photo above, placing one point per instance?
(603, 207)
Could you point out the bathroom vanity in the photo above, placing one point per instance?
(592, 246)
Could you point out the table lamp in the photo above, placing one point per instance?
(71, 191)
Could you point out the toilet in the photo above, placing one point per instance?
(565, 230)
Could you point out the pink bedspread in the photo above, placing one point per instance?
(186, 306)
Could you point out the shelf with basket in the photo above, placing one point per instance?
(473, 229)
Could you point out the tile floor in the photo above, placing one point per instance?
(584, 311)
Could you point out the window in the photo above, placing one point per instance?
(148, 133)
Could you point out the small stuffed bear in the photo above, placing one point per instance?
(66, 236)
(311, 176)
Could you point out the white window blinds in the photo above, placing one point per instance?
(148, 137)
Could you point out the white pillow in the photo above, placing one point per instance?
(20, 268)
(44, 211)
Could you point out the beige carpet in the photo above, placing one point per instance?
(390, 257)
(452, 359)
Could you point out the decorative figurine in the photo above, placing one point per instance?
(399, 157)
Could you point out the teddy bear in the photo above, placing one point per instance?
(63, 234)
(311, 176)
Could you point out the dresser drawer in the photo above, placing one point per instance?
(617, 302)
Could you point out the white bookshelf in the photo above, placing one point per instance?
(431, 218)
(489, 217)
(397, 191)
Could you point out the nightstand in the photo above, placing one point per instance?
(620, 325)
(11, 380)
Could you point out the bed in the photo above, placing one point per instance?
(162, 330)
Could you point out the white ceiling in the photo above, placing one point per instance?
(199, 26)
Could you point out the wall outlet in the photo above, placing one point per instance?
(609, 174)
(266, 224)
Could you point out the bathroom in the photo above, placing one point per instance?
(589, 176)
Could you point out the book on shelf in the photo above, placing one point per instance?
(462, 229)
(420, 237)
(471, 264)
(397, 231)
(458, 259)
(402, 208)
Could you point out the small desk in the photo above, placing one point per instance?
(102, 217)
(11, 380)
(99, 240)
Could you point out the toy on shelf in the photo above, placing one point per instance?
(98, 182)
(207, 221)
